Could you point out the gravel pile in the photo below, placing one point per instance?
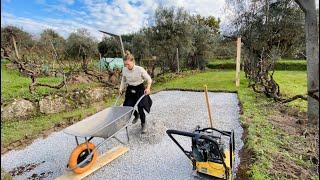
(152, 155)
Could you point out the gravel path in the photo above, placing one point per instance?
(152, 155)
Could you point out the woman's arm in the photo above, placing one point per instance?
(122, 84)
(147, 77)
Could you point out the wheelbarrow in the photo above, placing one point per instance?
(104, 124)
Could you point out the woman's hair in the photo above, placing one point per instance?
(128, 56)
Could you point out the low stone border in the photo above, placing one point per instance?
(22, 108)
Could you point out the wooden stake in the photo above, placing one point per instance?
(100, 62)
(15, 47)
(238, 62)
(122, 47)
(209, 111)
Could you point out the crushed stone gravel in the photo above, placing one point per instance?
(152, 155)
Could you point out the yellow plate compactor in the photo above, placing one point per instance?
(212, 151)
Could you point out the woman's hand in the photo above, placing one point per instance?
(120, 92)
(147, 91)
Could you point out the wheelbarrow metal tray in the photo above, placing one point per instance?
(102, 124)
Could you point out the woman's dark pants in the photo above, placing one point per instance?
(133, 93)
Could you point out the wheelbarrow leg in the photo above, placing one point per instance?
(119, 140)
(127, 134)
(87, 142)
(77, 140)
(115, 137)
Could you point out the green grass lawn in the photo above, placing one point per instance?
(14, 85)
(215, 80)
(293, 83)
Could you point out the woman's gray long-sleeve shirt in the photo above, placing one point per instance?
(134, 77)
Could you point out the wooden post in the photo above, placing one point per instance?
(178, 60)
(238, 61)
(122, 47)
(55, 54)
(15, 47)
(208, 105)
(54, 49)
(100, 62)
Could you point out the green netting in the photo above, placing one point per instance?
(110, 64)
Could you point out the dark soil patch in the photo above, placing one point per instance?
(17, 171)
(40, 176)
(245, 158)
(240, 106)
(299, 139)
(289, 111)
(288, 169)
(289, 124)
(303, 142)
(79, 78)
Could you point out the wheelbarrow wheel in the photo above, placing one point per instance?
(79, 154)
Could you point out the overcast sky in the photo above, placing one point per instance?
(116, 16)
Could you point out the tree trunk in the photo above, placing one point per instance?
(177, 57)
(84, 63)
(312, 48)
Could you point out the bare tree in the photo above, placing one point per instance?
(271, 29)
(33, 73)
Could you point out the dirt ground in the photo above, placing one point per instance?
(294, 124)
(245, 159)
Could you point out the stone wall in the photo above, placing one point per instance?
(18, 109)
(22, 109)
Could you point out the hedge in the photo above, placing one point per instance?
(293, 65)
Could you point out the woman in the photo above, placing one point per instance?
(133, 77)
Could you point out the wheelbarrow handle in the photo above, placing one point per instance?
(115, 104)
(135, 107)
